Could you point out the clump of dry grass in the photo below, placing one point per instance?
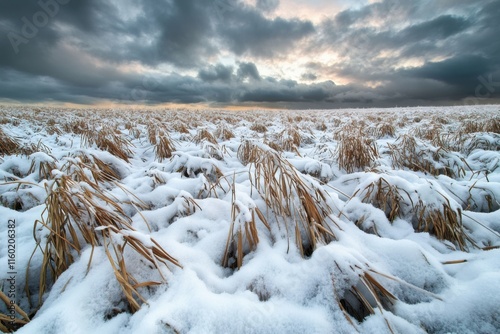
(321, 127)
(492, 125)
(191, 167)
(223, 132)
(335, 122)
(115, 144)
(248, 152)
(79, 212)
(440, 119)
(135, 132)
(297, 204)
(368, 294)
(89, 169)
(273, 144)
(470, 126)
(433, 133)
(385, 130)
(445, 223)
(149, 250)
(363, 297)
(8, 145)
(481, 141)
(243, 235)
(480, 199)
(78, 127)
(30, 148)
(386, 197)
(440, 219)
(355, 151)
(214, 151)
(289, 139)
(204, 135)
(52, 128)
(62, 238)
(258, 127)
(109, 140)
(152, 132)
(442, 139)
(180, 127)
(43, 167)
(163, 145)
(129, 125)
(407, 152)
(102, 172)
(374, 118)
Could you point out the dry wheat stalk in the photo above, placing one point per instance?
(291, 198)
(108, 140)
(289, 139)
(8, 145)
(204, 135)
(355, 152)
(246, 237)
(79, 212)
(223, 132)
(444, 222)
(417, 156)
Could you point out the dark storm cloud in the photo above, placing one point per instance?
(155, 51)
(170, 88)
(218, 72)
(454, 71)
(248, 71)
(31, 40)
(82, 14)
(438, 28)
(246, 31)
(288, 91)
(185, 31)
(227, 74)
(462, 34)
(358, 41)
(179, 32)
(16, 86)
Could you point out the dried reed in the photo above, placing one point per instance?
(223, 132)
(443, 221)
(8, 145)
(300, 205)
(355, 152)
(204, 135)
(407, 152)
(79, 212)
(246, 237)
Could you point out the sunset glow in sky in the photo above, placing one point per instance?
(257, 53)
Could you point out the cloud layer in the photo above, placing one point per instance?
(231, 52)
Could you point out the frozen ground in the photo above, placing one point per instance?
(344, 221)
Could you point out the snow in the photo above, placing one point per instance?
(188, 203)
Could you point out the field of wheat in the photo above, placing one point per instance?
(205, 221)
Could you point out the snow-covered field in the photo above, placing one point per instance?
(343, 221)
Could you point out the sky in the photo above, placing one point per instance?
(250, 53)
